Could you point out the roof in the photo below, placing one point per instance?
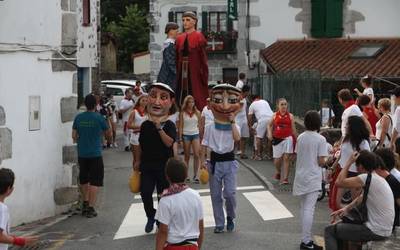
(332, 57)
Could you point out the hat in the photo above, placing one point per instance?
(162, 86)
(190, 14)
(395, 92)
(226, 86)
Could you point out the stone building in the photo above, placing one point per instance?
(234, 46)
(48, 58)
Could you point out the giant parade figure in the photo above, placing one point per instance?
(191, 63)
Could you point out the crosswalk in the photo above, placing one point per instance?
(264, 202)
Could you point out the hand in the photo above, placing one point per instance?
(30, 240)
(270, 137)
(203, 166)
(157, 124)
(356, 90)
(339, 213)
(136, 166)
(354, 157)
(231, 117)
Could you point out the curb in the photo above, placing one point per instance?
(257, 174)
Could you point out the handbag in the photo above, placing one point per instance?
(359, 214)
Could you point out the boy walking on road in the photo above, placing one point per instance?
(180, 212)
(88, 130)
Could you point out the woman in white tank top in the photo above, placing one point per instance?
(385, 125)
(136, 118)
(189, 123)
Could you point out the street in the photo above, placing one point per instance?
(267, 219)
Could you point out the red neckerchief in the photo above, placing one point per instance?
(174, 188)
(190, 113)
(141, 112)
(350, 103)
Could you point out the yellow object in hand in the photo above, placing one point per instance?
(204, 176)
(134, 182)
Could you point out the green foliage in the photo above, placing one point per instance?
(131, 31)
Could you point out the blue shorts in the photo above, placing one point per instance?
(190, 137)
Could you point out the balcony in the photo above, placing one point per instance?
(223, 42)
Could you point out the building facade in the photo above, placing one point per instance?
(235, 47)
(46, 63)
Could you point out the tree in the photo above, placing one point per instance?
(111, 10)
(132, 33)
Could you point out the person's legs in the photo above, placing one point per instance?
(92, 191)
(230, 169)
(258, 147)
(196, 156)
(216, 195)
(96, 176)
(286, 159)
(186, 151)
(147, 184)
(335, 234)
(278, 164)
(308, 208)
(136, 152)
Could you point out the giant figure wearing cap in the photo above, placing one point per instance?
(220, 137)
(192, 67)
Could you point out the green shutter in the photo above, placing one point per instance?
(318, 18)
(334, 18)
(171, 16)
(204, 21)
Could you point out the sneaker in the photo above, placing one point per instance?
(218, 230)
(238, 152)
(243, 156)
(310, 245)
(127, 149)
(115, 145)
(277, 176)
(196, 180)
(149, 225)
(84, 209)
(91, 212)
(285, 181)
(230, 225)
(187, 180)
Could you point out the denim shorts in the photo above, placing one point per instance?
(190, 137)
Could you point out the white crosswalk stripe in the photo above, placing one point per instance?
(266, 205)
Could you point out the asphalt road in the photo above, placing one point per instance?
(267, 219)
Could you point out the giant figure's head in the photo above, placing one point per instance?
(189, 20)
(225, 101)
(161, 98)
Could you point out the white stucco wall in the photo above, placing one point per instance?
(277, 21)
(36, 155)
(87, 37)
(141, 64)
(382, 18)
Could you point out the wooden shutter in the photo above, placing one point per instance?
(86, 12)
(204, 21)
(171, 16)
(334, 18)
(318, 18)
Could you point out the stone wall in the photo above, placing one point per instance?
(5, 137)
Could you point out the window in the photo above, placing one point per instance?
(115, 91)
(86, 12)
(217, 21)
(368, 51)
(326, 18)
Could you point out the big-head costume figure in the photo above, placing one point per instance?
(219, 137)
(157, 136)
(192, 67)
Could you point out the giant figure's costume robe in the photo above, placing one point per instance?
(192, 68)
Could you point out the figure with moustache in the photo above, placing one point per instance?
(157, 137)
(191, 63)
(220, 137)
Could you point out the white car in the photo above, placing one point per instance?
(117, 88)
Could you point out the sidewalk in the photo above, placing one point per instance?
(265, 170)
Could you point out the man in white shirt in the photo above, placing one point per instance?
(396, 117)
(262, 111)
(241, 121)
(125, 108)
(351, 109)
(240, 82)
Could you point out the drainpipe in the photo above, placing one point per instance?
(248, 34)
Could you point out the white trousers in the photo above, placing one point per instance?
(307, 207)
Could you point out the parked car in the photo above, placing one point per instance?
(117, 88)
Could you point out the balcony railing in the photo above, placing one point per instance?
(221, 42)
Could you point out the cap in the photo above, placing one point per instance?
(395, 92)
(190, 14)
(162, 86)
(226, 86)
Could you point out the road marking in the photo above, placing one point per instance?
(135, 219)
(202, 191)
(267, 206)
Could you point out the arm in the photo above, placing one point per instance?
(357, 92)
(271, 127)
(75, 135)
(235, 130)
(368, 125)
(162, 236)
(293, 126)
(180, 126)
(201, 236)
(203, 151)
(343, 211)
(108, 133)
(321, 161)
(202, 125)
(136, 164)
(131, 118)
(18, 241)
(354, 182)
